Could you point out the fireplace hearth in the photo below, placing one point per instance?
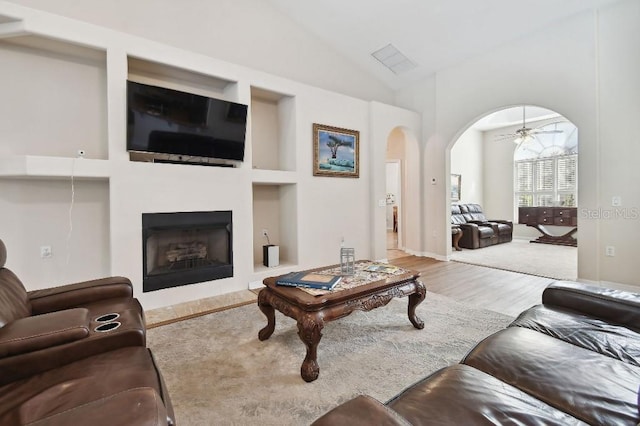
(185, 248)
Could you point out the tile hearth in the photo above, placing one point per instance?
(181, 311)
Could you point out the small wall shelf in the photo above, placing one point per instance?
(273, 177)
(34, 166)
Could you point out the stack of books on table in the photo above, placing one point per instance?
(309, 280)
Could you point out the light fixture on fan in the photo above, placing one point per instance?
(524, 136)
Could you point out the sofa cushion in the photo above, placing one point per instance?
(472, 212)
(89, 381)
(485, 232)
(593, 388)
(137, 406)
(600, 336)
(463, 395)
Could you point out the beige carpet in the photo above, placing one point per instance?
(545, 260)
(219, 373)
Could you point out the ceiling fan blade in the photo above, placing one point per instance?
(546, 132)
(505, 137)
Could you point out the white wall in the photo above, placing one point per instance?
(584, 68)
(315, 212)
(467, 160)
(393, 189)
(387, 122)
(245, 32)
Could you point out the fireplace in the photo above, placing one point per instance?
(185, 248)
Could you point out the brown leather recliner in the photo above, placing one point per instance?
(503, 228)
(76, 354)
(474, 235)
(478, 231)
(44, 329)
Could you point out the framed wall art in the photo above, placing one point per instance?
(455, 187)
(335, 151)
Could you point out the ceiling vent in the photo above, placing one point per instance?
(393, 59)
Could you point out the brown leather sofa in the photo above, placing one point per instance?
(76, 354)
(477, 230)
(573, 360)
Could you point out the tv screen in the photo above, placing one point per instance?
(167, 121)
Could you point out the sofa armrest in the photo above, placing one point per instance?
(77, 294)
(621, 307)
(43, 331)
(505, 222)
(362, 410)
(480, 222)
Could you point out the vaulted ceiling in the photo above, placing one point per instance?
(432, 34)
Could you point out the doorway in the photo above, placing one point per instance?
(492, 156)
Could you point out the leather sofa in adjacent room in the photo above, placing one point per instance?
(477, 230)
(75, 355)
(573, 360)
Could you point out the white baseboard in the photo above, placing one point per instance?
(427, 254)
(255, 285)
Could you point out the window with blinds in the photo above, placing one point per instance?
(546, 182)
(546, 172)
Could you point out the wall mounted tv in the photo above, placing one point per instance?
(166, 121)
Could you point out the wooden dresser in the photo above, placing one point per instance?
(540, 217)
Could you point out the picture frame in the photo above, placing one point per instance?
(455, 187)
(335, 151)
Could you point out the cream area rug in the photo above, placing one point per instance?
(219, 373)
(544, 260)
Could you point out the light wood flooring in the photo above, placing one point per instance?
(500, 291)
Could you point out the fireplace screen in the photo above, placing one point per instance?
(186, 248)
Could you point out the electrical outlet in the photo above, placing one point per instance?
(45, 252)
(265, 233)
(616, 201)
(610, 251)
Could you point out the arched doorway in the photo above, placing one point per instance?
(402, 180)
(515, 157)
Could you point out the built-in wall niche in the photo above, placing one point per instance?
(272, 130)
(274, 210)
(58, 105)
(185, 80)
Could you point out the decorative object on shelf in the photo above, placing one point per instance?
(270, 253)
(347, 260)
(335, 151)
(455, 187)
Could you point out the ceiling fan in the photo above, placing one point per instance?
(525, 134)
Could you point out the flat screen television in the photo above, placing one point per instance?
(166, 121)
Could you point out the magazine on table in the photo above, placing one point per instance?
(382, 267)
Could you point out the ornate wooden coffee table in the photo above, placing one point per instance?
(313, 311)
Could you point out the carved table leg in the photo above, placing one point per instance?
(268, 311)
(414, 300)
(310, 331)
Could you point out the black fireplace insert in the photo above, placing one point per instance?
(186, 247)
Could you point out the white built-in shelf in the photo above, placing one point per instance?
(263, 272)
(273, 177)
(34, 166)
